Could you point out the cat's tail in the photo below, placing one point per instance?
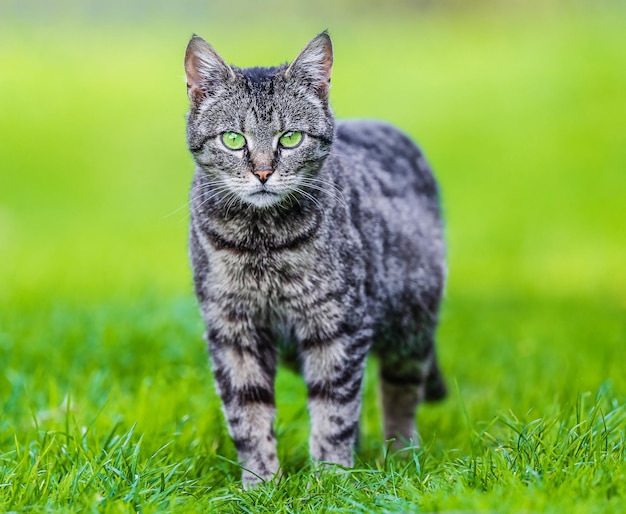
(435, 387)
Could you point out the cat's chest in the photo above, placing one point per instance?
(265, 277)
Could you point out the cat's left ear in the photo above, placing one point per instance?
(205, 69)
(314, 64)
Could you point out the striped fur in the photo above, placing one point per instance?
(339, 252)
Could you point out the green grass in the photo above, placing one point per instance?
(107, 398)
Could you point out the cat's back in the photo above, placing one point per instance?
(392, 201)
(381, 160)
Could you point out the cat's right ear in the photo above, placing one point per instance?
(205, 69)
(314, 64)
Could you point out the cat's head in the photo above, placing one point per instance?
(260, 134)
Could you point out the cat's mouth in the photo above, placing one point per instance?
(263, 197)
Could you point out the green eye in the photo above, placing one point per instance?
(290, 139)
(233, 140)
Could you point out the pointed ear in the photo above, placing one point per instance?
(204, 68)
(314, 64)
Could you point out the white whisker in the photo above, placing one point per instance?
(326, 187)
(309, 196)
(206, 193)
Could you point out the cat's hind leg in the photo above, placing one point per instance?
(406, 380)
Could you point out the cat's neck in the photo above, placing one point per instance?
(243, 227)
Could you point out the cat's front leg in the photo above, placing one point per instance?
(244, 369)
(333, 370)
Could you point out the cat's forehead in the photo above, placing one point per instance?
(261, 97)
(259, 88)
(260, 76)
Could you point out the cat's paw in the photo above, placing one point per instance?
(251, 480)
(399, 445)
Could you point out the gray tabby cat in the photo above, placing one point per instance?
(325, 235)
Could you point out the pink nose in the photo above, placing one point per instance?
(263, 174)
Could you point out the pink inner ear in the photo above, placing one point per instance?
(191, 69)
(195, 80)
(327, 65)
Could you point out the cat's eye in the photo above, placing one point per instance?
(290, 139)
(233, 140)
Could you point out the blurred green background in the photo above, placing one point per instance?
(520, 107)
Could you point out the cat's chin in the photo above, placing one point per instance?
(263, 198)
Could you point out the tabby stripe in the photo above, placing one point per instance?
(261, 349)
(322, 138)
(247, 395)
(221, 243)
(260, 466)
(197, 147)
(344, 435)
(243, 444)
(344, 329)
(251, 393)
(255, 394)
(346, 376)
(337, 420)
(360, 345)
(329, 392)
(332, 295)
(266, 372)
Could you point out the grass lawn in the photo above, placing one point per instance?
(107, 398)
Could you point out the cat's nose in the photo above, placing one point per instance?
(263, 175)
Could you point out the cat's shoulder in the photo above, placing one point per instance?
(379, 147)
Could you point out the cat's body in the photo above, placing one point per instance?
(334, 242)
